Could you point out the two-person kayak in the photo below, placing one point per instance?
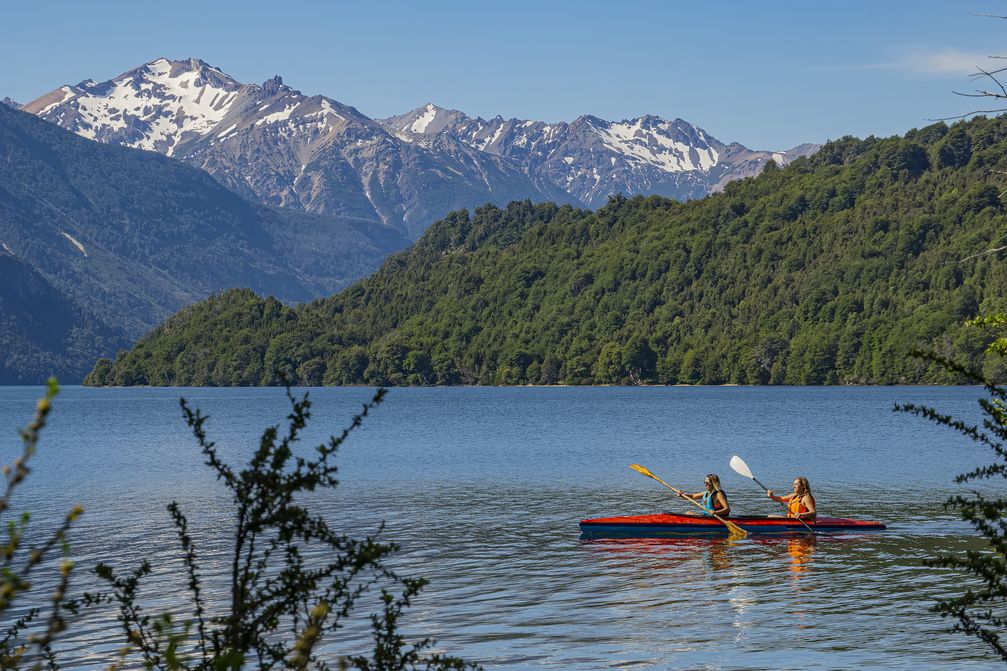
(667, 524)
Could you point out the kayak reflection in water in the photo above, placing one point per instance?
(713, 498)
(800, 504)
(800, 549)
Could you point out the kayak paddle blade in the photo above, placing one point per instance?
(640, 469)
(733, 530)
(740, 467)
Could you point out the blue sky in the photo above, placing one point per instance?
(767, 74)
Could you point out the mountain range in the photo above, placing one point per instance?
(592, 159)
(277, 145)
(100, 243)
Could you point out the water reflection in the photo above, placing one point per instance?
(800, 549)
(797, 550)
(715, 551)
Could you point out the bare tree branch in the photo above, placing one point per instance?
(1003, 91)
(983, 72)
(968, 114)
(980, 93)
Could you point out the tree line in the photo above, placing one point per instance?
(827, 271)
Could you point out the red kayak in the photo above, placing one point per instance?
(665, 524)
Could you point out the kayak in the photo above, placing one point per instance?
(666, 524)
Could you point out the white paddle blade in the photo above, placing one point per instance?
(740, 467)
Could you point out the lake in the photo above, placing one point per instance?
(483, 489)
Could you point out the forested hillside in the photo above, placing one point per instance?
(828, 271)
(42, 332)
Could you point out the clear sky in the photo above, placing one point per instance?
(767, 74)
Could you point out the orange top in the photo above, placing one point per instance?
(796, 506)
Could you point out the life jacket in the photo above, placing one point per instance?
(709, 499)
(795, 506)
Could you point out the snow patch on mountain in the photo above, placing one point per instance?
(422, 122)
(74, 242)
(61, 94)
(152, 107)
(327, 108)
(282, 115)
(654, 146)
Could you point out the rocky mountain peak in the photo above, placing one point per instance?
(154, 106)
(589, 120)
(274, 85)
(430, 119)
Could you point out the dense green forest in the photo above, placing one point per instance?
(826, 272)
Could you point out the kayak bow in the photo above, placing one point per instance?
(666, 524)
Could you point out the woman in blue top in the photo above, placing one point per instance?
(713, 498)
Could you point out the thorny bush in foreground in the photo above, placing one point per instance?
(980, 611)
(282, 602)
(26, 641)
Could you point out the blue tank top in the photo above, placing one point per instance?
(709, 500)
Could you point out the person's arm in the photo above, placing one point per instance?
(720, 505)
(695, 497)
(809, 503)
(780, 499)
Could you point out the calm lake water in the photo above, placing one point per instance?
(483, 489)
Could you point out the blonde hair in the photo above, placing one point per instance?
(715, 481)
(804, 484)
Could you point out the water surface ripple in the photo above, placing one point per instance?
(483, 488)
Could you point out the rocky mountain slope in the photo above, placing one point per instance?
(274, 144)
(114, 240)
(592, 159)
(284, 148)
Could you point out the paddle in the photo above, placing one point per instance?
(734, 529)
(741, 468)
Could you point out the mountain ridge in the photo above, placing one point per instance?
(281, 147)
(592, 158)
(277, 145)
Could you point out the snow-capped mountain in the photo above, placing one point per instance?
(11, 103)
(277, 145)
(155, 107)
(592, 159)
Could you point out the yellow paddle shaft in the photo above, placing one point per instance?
(731, 526)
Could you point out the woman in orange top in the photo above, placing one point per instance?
(800, 504)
